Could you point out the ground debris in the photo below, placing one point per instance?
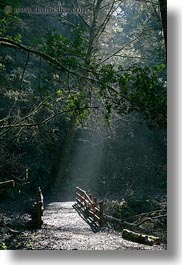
(64, 229)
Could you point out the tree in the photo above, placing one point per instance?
(163, 10)
(78, 69)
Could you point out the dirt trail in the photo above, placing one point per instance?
(64, 229)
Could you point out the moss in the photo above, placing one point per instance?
(140, 238)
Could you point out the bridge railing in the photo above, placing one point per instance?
(7, 184)
(89, 206)
(39, 208)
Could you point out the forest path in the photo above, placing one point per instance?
(64, 229)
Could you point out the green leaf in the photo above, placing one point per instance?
(2, 67)
(3, 246)
(60, 93)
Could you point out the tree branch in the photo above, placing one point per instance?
(13, 44)
(10, 126)
(125, 45)
(24, 70)
(51, 60)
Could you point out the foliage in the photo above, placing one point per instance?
(129, 207)
(138, 38)
(3, 246)
(147, 216)
(141, 89)
(71, 73)
(145, 88)
(9, 20)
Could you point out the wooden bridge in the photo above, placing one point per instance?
(89, 208)
(92, 212)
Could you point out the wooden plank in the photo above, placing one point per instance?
(80, 197)
(7, 184)
(80, 190)
(85, 194)
(80, 203)
(87, 198)
(96, 217)
(89, 206)
(87, 211)
(101, 204)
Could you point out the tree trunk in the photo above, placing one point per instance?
(71, 131)
(64, 154)
(163, 10)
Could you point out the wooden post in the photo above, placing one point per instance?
(39, 216)
(39, 208)
(91, 197)
(91, 207)
(95, 204)
(101, 215)
(84, 201)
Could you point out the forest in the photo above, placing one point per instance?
(83, 103)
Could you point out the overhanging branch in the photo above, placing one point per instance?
(15, 45)
(45, 121)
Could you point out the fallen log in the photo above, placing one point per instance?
(119, 221)
(7, 184)
(140, 238)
